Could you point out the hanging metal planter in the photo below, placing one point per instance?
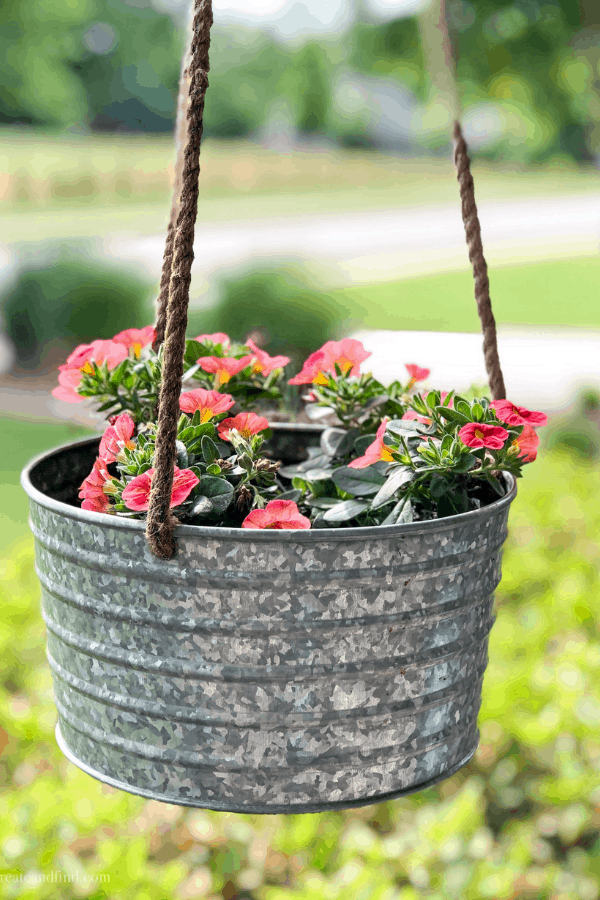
(261, 671)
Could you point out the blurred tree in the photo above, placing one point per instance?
(39, 43)
(67, 63)
(313, 66)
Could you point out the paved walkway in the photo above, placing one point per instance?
(366, 246)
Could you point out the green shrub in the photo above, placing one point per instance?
(72, 299)
(279, 305)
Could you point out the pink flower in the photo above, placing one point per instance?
(136, 338)
(417, 373)
(375, 452)
(224, 368)
(92, 488)
(217, 338)
(136, 495)
(348, 354)
(117, 436)
(477, 435)
(246, 424)
(109, 352)
(517, 415)
(68, 382)
(528, 443)
(79, 363)
(277, 514)
(209, 403)
(263, 363)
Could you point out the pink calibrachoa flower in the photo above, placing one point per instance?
(477, 435)
(92, 488)
(375, 452)
(217, 338)
(79, 363)
(136, 338)
(209, 403)
(136, 495)
(117, 436)
(263, 363)
(246, 424)
(224, 368)
(528, 443)
(517, 415)
(348, 354)
(417, 373)
(277, 514)
(68, 382)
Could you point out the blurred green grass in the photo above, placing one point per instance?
(521, 821)
(22, 440)
(561, 293)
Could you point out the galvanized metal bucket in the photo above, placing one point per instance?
(263, 671)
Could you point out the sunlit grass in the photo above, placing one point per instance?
(562, 293)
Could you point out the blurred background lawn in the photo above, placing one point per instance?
(314, 110)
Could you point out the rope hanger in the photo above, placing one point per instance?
(173, 300)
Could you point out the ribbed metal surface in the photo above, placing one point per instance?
(263, 671)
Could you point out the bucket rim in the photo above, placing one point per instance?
(317, 535)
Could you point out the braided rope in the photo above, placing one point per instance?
(477, 259)
(159, 529)
(180, 141)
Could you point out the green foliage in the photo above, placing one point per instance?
(72, 62)
(520, 821)
(70, 300)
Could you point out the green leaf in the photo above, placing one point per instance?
(359, 482)
(202, 507)
(209, 450)
(345, 511)
(394, 482)
(406, 427)
(464, 464)
(452, 415)
(338, 441)
(182, 455)
(213, 469)
(218, 491)
(293, 495)
(322, 502)
(319, 474)
(477, 412)
(361, 444)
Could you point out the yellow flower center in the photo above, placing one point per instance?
(386, 456)
(205, 415)
(344, 364)
(258, 367)
(137, 349)
(223, 376)
(479, 434)
(87, 368)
